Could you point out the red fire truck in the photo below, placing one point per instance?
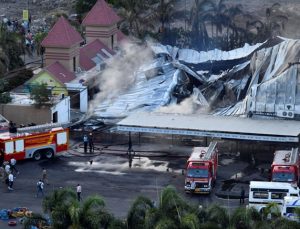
(33, 142)
(285, 166)
(202, 168)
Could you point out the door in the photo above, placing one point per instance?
(55, 117)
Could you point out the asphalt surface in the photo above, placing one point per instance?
(110, 177)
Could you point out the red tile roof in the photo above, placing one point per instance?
(62, 34)
(90, 51)
(60, 72)
(101, 15)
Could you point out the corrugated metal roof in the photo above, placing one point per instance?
(212, 123)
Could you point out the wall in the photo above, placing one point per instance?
(63, 55)
(63, 110)
(25, 114)
(45, 77)
(103, 33)
(83, 94)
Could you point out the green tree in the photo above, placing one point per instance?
(40, 93)
(138, 212)
(67, 212)
(4, 96)
(11, 50)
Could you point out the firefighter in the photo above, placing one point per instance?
(91, 143)
(85, 142)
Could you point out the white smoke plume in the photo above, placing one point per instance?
(119, 73)
(187, 106)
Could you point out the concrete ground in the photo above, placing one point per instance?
(153, 168)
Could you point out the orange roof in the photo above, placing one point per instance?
(62, 34)
(101, 15)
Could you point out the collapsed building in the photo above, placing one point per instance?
(260, 80)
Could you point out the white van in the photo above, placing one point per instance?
(290, 203)
(262, 193)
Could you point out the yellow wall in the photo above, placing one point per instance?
(45, 77)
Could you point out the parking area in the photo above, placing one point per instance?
(109, 175)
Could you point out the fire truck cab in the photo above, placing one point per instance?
(33, 142)
(201, 169)
(285, 166)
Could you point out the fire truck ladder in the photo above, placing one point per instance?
(43, 127)
(210, 150)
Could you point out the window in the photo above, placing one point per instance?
(9, 147)
(290, 209)
(19, 145)
(61, 138)
(203, 173)
(261, 195)
(277, 195)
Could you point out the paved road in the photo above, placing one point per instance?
(108, 176)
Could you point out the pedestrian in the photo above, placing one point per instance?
(13, 165)
(7, 167)
(242, 197)
(91, 143)
(40, 188)
(44, 176)
(78, 190)
(85, 143)
(193, 186)
(10, 181)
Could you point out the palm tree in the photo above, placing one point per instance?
(136, 13)
(164, 11)
(197, 21)
(138, 212)
(245, 218)
(218, 215)
(67, 212)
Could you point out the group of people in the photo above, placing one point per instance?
(88, 141)
(9, 173)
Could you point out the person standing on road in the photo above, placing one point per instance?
(193, 186)
(40, 188)
(78, 190)
(13, 165)
(44, 176)
(242, 197)
(91, 143)
(10, 181)
(7, 167)
(85, 142)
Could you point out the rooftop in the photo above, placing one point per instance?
(213, 126)
(60, 72)
(101, 15)
(62, 34)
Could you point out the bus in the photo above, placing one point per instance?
(262, 193)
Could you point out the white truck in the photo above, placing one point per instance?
(262, 193)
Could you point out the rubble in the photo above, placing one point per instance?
(254, 80)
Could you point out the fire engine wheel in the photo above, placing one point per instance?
(37, 156)
(49, 154)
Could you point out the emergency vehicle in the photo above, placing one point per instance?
(289, 206)
(285, 166)
(34, 142)
(262, 193)
(201, 172)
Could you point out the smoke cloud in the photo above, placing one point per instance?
(119, 73)
(187, 106)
